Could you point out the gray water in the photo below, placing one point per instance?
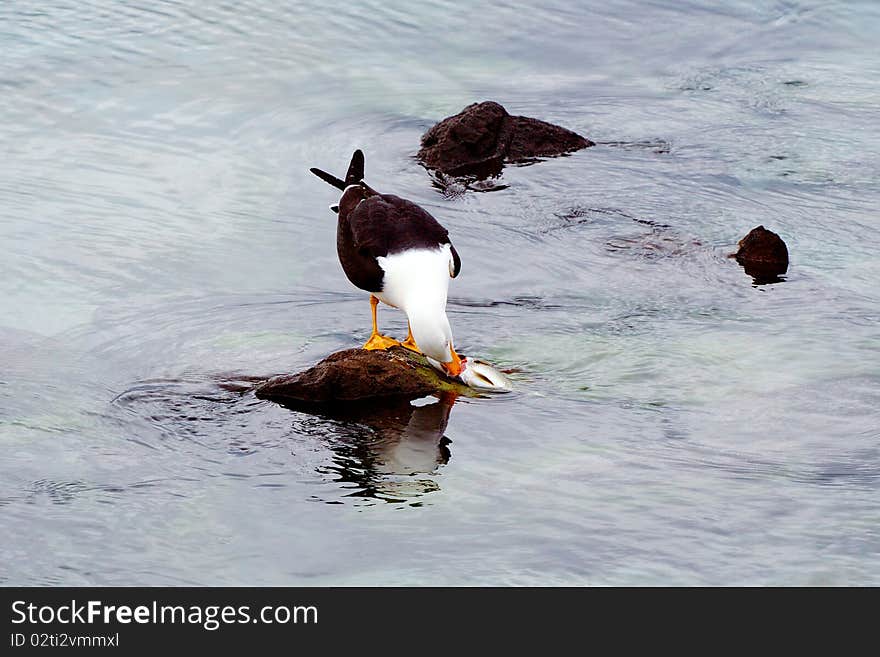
(163, 246)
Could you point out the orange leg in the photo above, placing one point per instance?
(377, 340)
(410, 342)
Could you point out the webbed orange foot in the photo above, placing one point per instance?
(379, 341)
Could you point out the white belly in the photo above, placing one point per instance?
(416, 277)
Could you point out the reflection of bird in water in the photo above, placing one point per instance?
(382, 449)
(396, 251)
(417, 447)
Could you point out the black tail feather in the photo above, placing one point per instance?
(354, 176)
(328, 178)
(355, 168)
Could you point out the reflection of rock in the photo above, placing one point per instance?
(382, 448)
(763, 255)
(356, 374)
(382, 440)
(483, 136)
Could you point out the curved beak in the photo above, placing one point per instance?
(453, 368)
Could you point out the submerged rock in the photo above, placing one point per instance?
(356, 375)
(481, 138)
(763, 255)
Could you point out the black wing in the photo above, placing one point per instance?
(385, 223)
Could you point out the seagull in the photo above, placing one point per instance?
(396, 251)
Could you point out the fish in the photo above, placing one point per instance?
(478, 374)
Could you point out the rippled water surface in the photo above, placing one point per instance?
(164, 246)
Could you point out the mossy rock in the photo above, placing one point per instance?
(356, 375)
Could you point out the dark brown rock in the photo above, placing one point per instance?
(356, 375)
(763, 255)
(532, 138)
(483, 136)
(469, 141)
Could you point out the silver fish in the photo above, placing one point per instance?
(479, 375)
